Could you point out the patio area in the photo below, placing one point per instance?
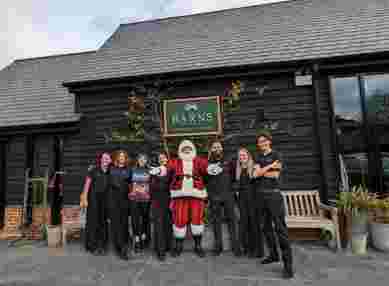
(35, 264)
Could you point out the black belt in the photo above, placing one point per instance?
(188, 176)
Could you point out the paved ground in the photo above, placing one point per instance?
(315, 265)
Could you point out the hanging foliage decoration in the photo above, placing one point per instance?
(135, 131)
(232, 95)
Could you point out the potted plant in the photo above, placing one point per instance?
(380, 225)
(327, 234)
(361, 201)
(344, 205)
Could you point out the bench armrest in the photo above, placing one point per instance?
(332, 210)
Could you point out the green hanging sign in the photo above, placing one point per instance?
(192, 116)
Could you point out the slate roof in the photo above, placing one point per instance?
(277, 32)
(31, 90)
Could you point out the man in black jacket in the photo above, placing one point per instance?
(270, 202)
(221, 196)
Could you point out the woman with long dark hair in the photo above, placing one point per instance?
(93, 198)
(160, 199)
(118, 203)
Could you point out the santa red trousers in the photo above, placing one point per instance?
(185, 211)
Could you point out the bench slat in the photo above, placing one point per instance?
(303, 211)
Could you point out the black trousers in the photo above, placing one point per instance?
(216, 209)
(140, 217)
(162, 225)
(118, 214)
(251, 237)
(96, 223)
(272, 212)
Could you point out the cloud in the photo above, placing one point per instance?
(28, 28)
(17, 32)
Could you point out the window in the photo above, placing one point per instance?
(364, 145)
(349, 128)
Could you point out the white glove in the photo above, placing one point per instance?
(158, 171)
(214, 169)
(155, 171)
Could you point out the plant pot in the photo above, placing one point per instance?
(331, 243)
(344, 228)
(380, 235)
(359, 244)
(359, 223)
(54, 235)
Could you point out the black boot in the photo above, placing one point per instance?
(288, 271)
(124, 253)
(178, 247)
(198, 249)
(137, 247)
(270, 259)
(233, 235)
(217, 250)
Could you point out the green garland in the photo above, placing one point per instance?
(231, 100)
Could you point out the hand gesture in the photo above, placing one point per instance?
(83, 200)
(276, 164)
(256, 170)
(154, 171)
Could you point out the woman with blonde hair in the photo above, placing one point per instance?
(250, 236)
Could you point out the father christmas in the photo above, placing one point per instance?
(188, 195)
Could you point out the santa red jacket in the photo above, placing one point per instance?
(192, 186)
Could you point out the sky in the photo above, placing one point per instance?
(34, 28)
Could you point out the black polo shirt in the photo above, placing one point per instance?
(264, 160)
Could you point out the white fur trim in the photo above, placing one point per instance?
(197, 229)
(179, 232)
(192, 193)
(187, 167)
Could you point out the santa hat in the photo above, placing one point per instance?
(187, 143)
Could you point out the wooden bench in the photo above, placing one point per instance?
(305, 210)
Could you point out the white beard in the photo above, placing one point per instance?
(187, 163)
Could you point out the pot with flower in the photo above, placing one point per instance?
(361, 201)
(379, 227)
(344, 205)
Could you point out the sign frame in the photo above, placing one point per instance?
(219, 128)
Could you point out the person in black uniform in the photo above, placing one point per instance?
(93, 198)
(220, 194)
(250, 237)
(160, 199)
(117, 200)
(139, 196)
(267, 169)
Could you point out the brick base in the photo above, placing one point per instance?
(13, 222)
(71, 215)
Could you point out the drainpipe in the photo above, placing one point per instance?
(318, 133)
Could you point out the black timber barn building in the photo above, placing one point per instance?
(313, 71)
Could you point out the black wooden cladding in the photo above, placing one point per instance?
(281, 102)
(15, 164)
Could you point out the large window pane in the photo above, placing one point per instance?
(377, 102)
(349, 128)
